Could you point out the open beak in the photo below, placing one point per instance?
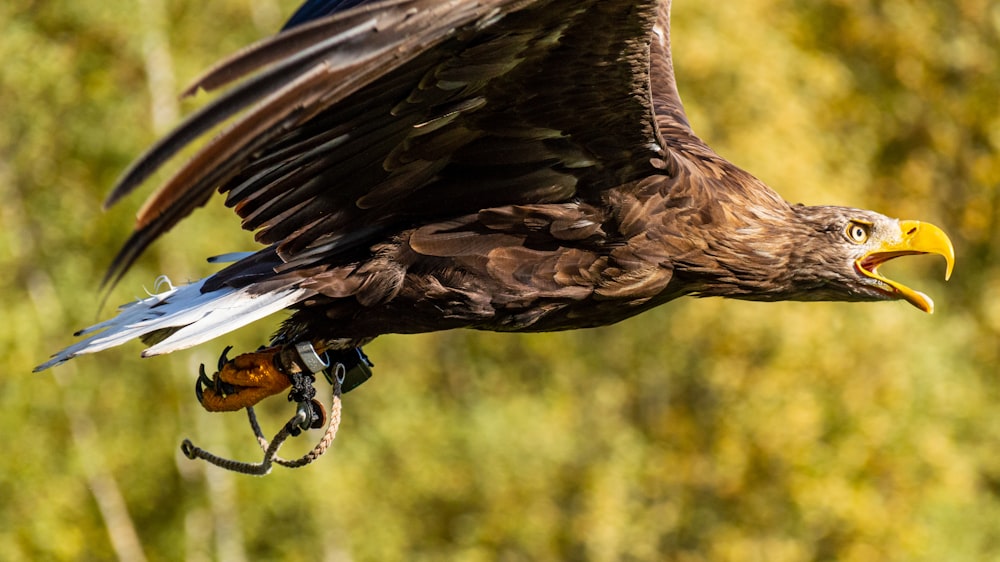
(914, 238)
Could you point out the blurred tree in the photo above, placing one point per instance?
(705, 430)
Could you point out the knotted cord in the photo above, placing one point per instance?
(292, 427)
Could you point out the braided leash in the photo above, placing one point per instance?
(302, 419)
(328, 436)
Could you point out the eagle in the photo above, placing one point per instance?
(410, 166)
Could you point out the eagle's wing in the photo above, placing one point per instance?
(398, 113)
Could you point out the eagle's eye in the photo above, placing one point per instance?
(857, 232)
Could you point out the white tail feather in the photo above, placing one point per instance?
(200, 317)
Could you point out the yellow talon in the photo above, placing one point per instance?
(243, 381)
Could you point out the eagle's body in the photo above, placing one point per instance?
(507, 165)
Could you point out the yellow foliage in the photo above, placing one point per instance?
(704, 430)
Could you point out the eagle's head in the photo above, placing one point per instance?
(837, 251)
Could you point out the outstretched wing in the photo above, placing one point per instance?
(384, 116)
(398, 113)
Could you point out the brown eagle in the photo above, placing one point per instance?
(505, 165)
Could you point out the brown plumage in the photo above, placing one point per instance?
(508, 165)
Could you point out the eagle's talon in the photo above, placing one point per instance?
(200, 382)
(214, 385)
(224, 357)
(223, 388)
(240, 382)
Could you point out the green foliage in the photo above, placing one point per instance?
(708, 430)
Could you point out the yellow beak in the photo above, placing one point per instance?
(914, 238)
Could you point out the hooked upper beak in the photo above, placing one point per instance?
(914, 238)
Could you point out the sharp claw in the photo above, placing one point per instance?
(212, 383)
(223, 359)
(202, 380)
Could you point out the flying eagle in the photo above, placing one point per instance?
(505, 165)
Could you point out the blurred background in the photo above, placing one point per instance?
(703, 430)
